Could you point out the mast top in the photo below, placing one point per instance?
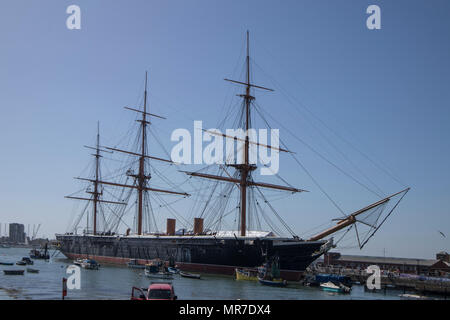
(248, 83)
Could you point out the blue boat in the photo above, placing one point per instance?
(173, 270)
(335, 287)
(273, 282)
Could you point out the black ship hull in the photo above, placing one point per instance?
(199, 253)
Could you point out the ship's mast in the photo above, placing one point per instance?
(141, 178)
(96, 194)
(246, 168)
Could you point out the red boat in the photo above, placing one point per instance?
(156, 291)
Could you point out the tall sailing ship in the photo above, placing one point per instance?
(199, 249)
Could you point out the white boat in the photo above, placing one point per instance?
(332, 287)
(78, 262)
(190, 275)
(87, 264)
(134, 264)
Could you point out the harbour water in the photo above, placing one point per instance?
(115, 282)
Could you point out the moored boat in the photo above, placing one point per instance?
(31, 270)
(27, 260)
(158, 275)
(3, 263)
(273, 282)
(269, 274)
(173, 270)
(335, 287)
(87, 264)
(90, 264)
(134, 264)
(78, 262)
(190, 275)
(40, 254)
(155, 269)
(21, 263)
(13, 272)
(246, 274)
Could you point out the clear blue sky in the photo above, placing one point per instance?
(386, 91)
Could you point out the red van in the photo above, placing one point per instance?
(156, 291)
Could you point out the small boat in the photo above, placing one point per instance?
(87, 263)
(246, 274)
(158, 275)
(332, 287)
(2, 263)
(21, 263)
(14, 272)
(40, 254)
(269, 274)
(156, 269)
(173, 270)
(190, 275)
(90, 264)
(133, 263)
(273, 282)
(30, 270)
(27, 260)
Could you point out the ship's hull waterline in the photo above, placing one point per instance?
(206, 254)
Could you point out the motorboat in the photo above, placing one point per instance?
(190, 275)
(335, 287)
(87, 263)
(134, 263)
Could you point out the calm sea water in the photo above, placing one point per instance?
(115, 282)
